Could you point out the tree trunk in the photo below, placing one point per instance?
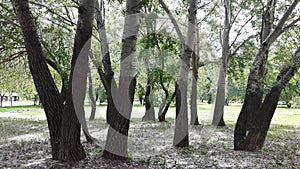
(106, 76)
(42, 78)
(150, 113)
(218, 119)
(181, 138)
(257, 134)
(162, 117)
(1, 100)
(194, 92)
(70, 146)
(92, 98)
(254, 92)
(117, 137)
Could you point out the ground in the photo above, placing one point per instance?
(24, 143)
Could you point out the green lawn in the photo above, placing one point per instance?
(17, 108)
(283, 115)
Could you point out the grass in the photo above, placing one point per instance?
(11, 127)
(281, 143)
(17, 108)
(283, 115)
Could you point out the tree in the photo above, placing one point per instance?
(194, 92)
(117, 136)
(91, 96)
(248, 133)
(228, 52)
(181, 126)
(106, 75)
(63, 123)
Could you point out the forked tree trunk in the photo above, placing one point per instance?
(106, 76)
(70, 146)
(117, 137)
(42, 78)
(181, 138)
(257, 134)
(162, 115)
(254, 92)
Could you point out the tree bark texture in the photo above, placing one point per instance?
(117, 137)
(257, 134)
(42, 78)
(194, 92)
(181, 127)
(218, 119)
(254, 92)
(149, 113)
(70, 146)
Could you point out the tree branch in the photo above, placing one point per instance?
(208, 14)
(279, 28)
(241, 45)
(70, 22)
(290, 25)
(239, 31)
(167, 10)
(12, 57)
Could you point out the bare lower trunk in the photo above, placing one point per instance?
(150, 113)
(254, 96)
(162, 116)
(258, 131)
(42, 78)
(194, 93)
(70, 145)
(194, 114)
(181, 136)
(117, 137)
(92, 98)
(220, 99)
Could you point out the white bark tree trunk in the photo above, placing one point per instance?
(181, 127)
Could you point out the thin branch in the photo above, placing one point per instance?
(202, 6)
(292, 24)
(167, 10)
(235, 16)
(9, 20)
(279, 28)
(240, 31)
(12, 57)
(241, 45)
(71, 23)
(208, 14)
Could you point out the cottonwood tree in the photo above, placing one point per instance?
(229, 50)
(117, 136)
(181, 127)
(64, 126)
(250, 130)
(106, 74)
